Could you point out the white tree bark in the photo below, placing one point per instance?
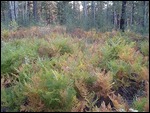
(16, 9)
(115, 15)
(11, 7)
(85, 8)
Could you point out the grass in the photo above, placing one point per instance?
(64, 72)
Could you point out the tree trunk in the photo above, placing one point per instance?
(93, 13)
(123, 16)
(144, 14)
(85, 14)
(114, 15)
(12, 13)
(35, 10)
(16, 9)
(2, 15)
(85, 8)
(23, 10)
(132, 14)
(26, 11)
(107, 11)
(74, 5)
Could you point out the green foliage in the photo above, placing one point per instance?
(13, 25)
(12, 98)
(64, 49)
(54, 89)
(15, 53)
(63, 45)
(136, 66)
(144, 47)
(116, 66)
(139, 104)
(90, 80)
(111, 50)
(53, 72)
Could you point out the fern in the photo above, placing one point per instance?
(139, 104)
(54, 89)
(144, 47)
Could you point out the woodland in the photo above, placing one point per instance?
(74, 56)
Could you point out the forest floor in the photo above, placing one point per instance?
(50, 69)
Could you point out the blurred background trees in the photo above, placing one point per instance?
(99, 15)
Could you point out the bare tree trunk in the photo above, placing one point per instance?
(2, 16)
(26, 11)
(16, 9)
(144, 14)
(23, 10)
(123, 16)
(93, 13)
(107, 19)
(74, 6)
(132, 14)
(85, 8)
(85, 13)
(107, 11)
(114, 15)
(30, 7)
(35, 10)
(11, 7)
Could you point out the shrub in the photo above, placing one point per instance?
(144, 47)
(57, 71)
(53, 89)
(62, 44)
(14, 54)
(5, 34)
(103, 84)
(110, 50)
(116, 66)
(13, 25)
(46, 51)
(12, 98)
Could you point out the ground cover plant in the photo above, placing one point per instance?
(80, 71)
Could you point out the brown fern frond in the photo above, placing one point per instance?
(117, 101)
(103, 84)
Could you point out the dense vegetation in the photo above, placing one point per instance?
(67, 56)
(48, 69)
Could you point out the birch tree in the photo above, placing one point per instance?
(11, 7)
(16, 9)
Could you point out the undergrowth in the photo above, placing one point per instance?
(80, 71)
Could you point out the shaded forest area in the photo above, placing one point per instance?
(74, 56)
(99, 15)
